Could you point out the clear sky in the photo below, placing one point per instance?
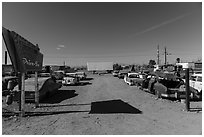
(119, 32)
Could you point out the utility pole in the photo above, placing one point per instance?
(165, 56)
(158, 55)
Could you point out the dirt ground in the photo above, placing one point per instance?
(104, 105)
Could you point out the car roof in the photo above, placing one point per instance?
(197, 75)
(59, 71)
(133, 73)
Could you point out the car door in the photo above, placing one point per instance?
(192, 81)
(198, 83)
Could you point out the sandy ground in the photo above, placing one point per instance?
(104, 105)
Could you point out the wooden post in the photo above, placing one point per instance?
(36, 90)
(5, 57)
(187, 90)
(19, 90)
(23, 95)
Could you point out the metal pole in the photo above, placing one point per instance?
(165, 56)
(23, 95)
(36, 90)
(158, 55)
(187, 90)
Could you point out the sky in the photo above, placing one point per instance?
(119, 32)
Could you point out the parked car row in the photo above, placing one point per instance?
(163, 84)
(69, 78)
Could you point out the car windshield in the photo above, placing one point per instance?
(193, 78)
(199, 79)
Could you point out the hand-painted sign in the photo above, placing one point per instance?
(24, 55)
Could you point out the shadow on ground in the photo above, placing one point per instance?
(61, 105)
(32, 114)
(88, 79)
(112, 106)
(84, 83)
(59, 96)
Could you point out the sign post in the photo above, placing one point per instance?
(19, 89)
(187, 90)
(25, 57)
(23, 95)
(36, 90)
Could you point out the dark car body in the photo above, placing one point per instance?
(6, 80)
(140, 80)
(167, 85)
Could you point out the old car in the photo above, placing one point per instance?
(115, 73)
(8, 83)
(70, 80)
(140, 80)
(131, 78)
(122, 74)
(81, 75)
(167, 85)
(195, 82)
(58, 75)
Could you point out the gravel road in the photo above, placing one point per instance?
(105, 105)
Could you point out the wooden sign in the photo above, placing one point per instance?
(24, 55)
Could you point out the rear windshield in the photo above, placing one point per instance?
(133, 76)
